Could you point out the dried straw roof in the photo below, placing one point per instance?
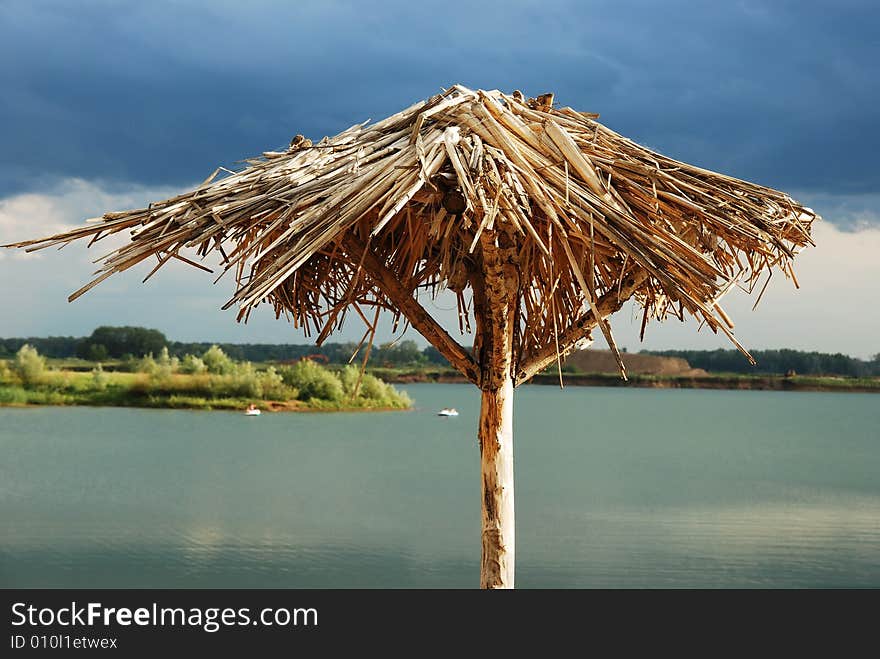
(383, 212)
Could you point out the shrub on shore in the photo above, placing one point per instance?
(323, 387)
(192, 365)
(217, 361)
(313, 381)
(99, 378)
(371, 389)
(29, 365)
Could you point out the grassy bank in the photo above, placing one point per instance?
(212, 383)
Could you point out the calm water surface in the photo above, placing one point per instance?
(615, 488)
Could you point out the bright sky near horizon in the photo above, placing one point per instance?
(112, 105)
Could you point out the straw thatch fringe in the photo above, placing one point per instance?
(382, 212)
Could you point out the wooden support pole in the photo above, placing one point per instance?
(496, 472)
(496, 294)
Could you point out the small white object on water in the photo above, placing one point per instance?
(252, 410)
(448, 411)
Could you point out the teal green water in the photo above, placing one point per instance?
(615, 488)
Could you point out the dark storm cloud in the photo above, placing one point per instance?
(153, 93)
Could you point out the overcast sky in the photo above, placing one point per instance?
(107, 105)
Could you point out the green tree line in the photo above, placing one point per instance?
(127, 342)
(777, 362)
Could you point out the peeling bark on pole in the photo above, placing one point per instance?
(496, 472)
(496, 294)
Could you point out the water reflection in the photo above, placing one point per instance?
(778, 546)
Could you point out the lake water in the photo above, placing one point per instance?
(615, 488)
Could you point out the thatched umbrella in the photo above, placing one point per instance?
(542, 222)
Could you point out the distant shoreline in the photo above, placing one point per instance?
(733, 382)
(34, 399)
(719, 382)
(269, 409)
